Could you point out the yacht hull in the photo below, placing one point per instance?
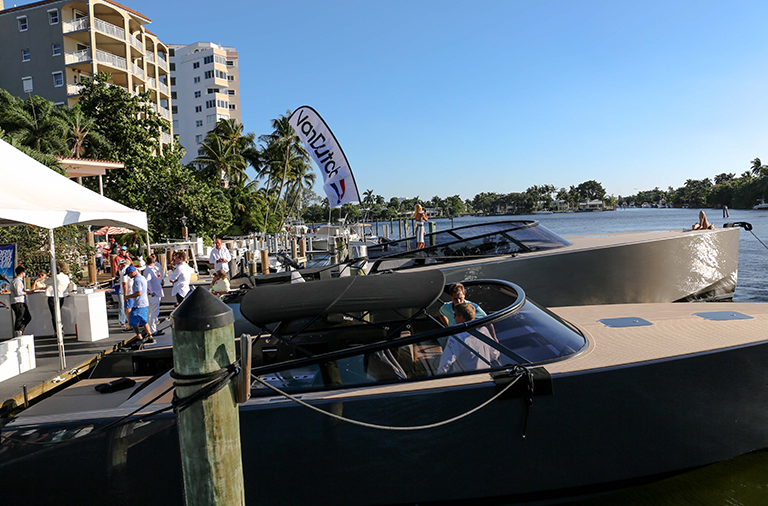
(601, 429)
(620, 268)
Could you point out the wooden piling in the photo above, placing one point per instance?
(432, 230)
(264, 261)
(209, 429)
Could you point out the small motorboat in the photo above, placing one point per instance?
(352, 402)
(761, 206)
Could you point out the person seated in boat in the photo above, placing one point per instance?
(465, 352)
(703, 223)
(458, 293)
(220, 284)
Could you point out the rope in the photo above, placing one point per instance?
(214, 381)
(388, 427)
(758, 239)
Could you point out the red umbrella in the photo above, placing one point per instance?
(112, 231)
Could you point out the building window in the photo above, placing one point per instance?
(25, 55)
(230, 92)
(53, 17)
(173, 95)
(232, 107)
(220, 74)
(197, 79)
(207, 60)
(174, 109)
(173, 67)
(198, 123)
(27, 82)
(196, 65)
(223, 104)
(198, 108)
(199, 138)
(56, 48)
(212, 90)
(198, 94)
(171, 52)
(208, 74)
(230, 78)
(175, 124)
(173, 81)
(211, 118)
(23, 23)
(210, 103)
(58, 79)
(230, 63)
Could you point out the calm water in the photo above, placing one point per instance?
(740, 481)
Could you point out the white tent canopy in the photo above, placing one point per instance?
(33, 194)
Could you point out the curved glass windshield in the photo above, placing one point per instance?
(530, 336)
(496, 238)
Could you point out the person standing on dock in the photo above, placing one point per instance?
(154, 290)
(420, 218)
(220, 257)
(62, 282)
(138, 317)
(21, 314)
(181, 276)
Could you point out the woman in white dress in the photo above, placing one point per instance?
(420, 218)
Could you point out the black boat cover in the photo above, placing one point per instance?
(275, 303)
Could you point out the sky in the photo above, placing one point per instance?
(456, 98)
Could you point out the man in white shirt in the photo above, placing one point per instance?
(155, 290)
(181, 276)
(19, 302)
(220, 257)
(62, 284)
(126, 286)
(465, 352)
(138, 317)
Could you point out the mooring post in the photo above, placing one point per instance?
(209, 429)
(432, 230)
(264, 261)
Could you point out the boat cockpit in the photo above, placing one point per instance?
(359, 331)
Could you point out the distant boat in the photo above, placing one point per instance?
(541, 212)
(761, 206)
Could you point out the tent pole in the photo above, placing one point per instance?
(149, 250)
(56, 303)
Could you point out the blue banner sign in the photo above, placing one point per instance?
(7, 265)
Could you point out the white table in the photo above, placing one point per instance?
(91, 316)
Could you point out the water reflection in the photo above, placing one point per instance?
(742, 481)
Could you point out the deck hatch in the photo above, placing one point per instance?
(722, 316)
(628, 321)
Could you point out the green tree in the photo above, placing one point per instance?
(36, 123)
(591, 190)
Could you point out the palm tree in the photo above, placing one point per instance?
(38, 124)
(757, 167)
(302, 178)
(220, 160)
(283, 146)
(82, 136)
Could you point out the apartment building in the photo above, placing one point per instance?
(47, 47)
(205, 88)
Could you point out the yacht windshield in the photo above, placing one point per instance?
(496, 238)
(529, 336)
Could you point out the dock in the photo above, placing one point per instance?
(47, 378)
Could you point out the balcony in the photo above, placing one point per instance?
(165, 138)
(109, 29)
(75, 25)
(163, 88)
(152, 83)
(73, 89)
(162, 62)
(150, 57)
(82, 56)
(111, 59)
(138, 71)
(165, 113)
(135, 42)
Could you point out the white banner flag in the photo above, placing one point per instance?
(322, 146)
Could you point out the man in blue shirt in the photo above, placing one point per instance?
(138, 317)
